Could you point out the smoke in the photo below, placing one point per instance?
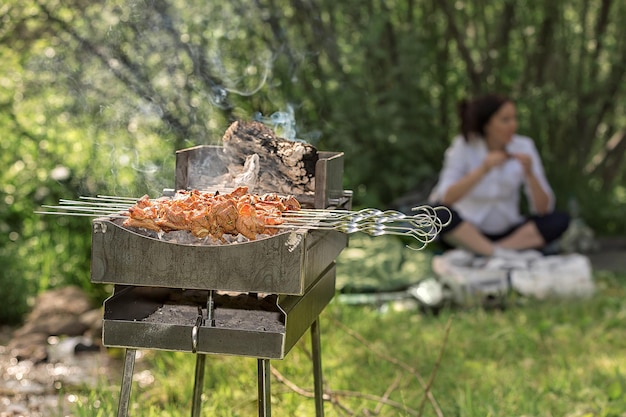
(156, 77)
(282, 122)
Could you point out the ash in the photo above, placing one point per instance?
(232, 311)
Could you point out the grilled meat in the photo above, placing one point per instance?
(204, 214)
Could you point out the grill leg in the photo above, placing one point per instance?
(198, 385)
(317, 368)
(127, 383)
(265, 408)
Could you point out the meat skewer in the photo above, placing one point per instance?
(213, 214)
(205, 214)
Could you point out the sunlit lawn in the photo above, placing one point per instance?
(533, 358)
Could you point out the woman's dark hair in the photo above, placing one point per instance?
(475, 114)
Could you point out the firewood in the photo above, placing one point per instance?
(286, 166)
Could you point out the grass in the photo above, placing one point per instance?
(533, 358)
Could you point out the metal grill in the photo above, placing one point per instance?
(252, 299)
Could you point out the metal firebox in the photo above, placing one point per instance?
(252, 299)
(287, 263)
(161, 318)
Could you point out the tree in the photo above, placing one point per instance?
(106, 91)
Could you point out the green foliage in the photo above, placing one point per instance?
(97, 96)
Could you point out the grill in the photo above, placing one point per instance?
(253, 299)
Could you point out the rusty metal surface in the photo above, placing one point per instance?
(125, 323)
(287, 263)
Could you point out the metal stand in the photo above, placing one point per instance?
(197, 385)
(318, 382)
(127, 382)
(264, 397)
(263, 370)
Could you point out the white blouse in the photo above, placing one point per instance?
(493, 204)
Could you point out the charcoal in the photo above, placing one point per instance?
(241, 311)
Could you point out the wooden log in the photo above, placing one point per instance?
(286, 166)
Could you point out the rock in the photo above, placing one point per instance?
(58, 324)
(67, 300)
(57, 349)
(64, 312)
(15, 410)
(93, 320)
(29, 346)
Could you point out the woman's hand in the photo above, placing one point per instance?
(526, 162)
(540, 199)
(494, 159)
(457, 190)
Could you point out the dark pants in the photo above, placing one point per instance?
(551, 226)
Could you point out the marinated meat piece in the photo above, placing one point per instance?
(199, 224)
(173, 217)
(248, 223)
(222, 217)
(204, 214)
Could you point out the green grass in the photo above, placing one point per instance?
(533, 358)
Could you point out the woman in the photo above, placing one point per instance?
(483, 171)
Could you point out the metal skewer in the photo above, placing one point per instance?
(111, 197)
(83, 208)
(64, 213)
(423, 226)
(94, 204)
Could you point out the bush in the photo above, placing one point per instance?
(15, 289)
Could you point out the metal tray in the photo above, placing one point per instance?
(127, 310)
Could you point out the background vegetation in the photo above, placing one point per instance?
(96, 96)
